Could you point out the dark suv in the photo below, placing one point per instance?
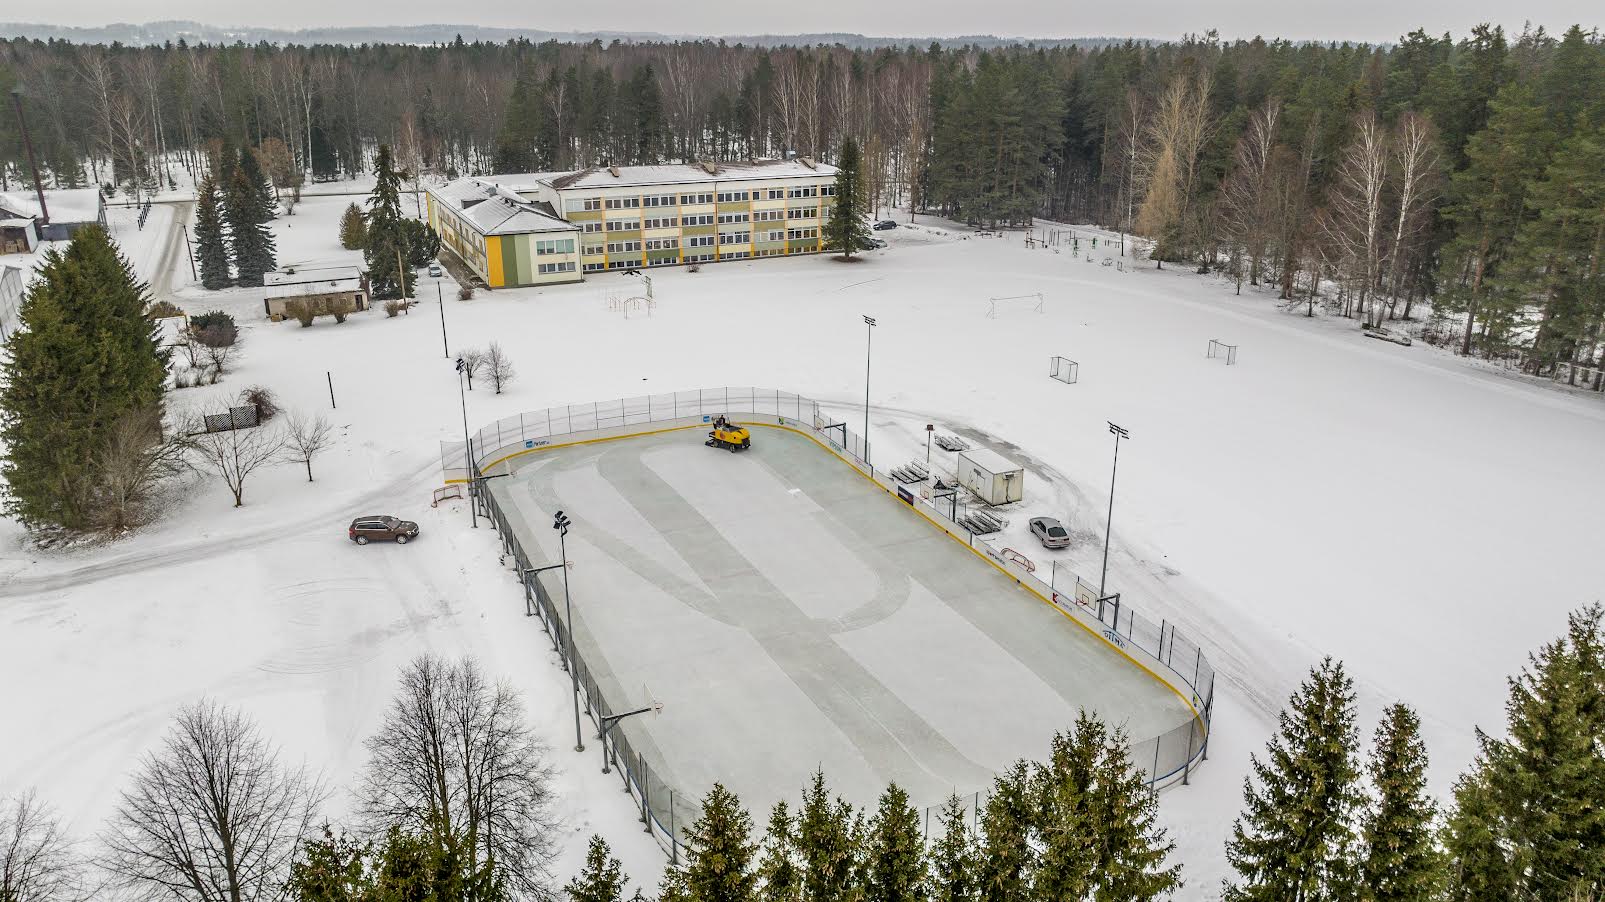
(376, 528)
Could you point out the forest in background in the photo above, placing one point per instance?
(1463, 178)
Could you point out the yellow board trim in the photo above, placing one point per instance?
(493, 261)
(914, 507)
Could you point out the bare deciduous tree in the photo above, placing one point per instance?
(234, 454)
(1416, 163)
(308, 437)
(135, 455)
(454, 761)
(1246, 198)
(498, 367)
(473, 363)
(1353, 222)
(212, 815)
(38, 861)
(1177, 131)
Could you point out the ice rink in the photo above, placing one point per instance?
(789, 615)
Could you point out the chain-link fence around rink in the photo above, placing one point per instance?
(666, 810)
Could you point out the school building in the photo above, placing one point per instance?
(544, 228)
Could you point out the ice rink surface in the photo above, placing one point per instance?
(789, 615)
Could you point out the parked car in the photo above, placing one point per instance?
(883, 225)
(434, 270)
(382, 528)
(1049, 532)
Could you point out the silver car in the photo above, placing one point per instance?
(1049, 532)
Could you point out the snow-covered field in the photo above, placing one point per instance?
(1426, 521)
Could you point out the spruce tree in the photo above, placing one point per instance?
(1007, 860)
(1123, 814)
(211, 247)
(353, 229)
(719, 851)
(267, 201)
(952, 858)
(1480, 867)
(331, 869)
(825, 844)
(894, 863)
(778, 871)
(1401, 860)
(85, 356)
(387, 250)
(845, 229)
(1066, 833)
(1294, 839)
(1532, 801)
(602, 880)
(251, 241)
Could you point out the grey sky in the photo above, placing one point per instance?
(1369, 20)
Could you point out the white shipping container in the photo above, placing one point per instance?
(993, 477)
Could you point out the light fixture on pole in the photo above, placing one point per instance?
(561, 523)
(869, 337)
(468, 445)
(1119, 434)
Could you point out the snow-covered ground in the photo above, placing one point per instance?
(1426, 521)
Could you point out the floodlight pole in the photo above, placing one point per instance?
(607, 727)
(468, 447)
(441, 296)
(561, 524)
(1119, 434)
(191, 249)
(869, 338)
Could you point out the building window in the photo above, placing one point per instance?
(733, 217)
(663, 222)
(666, 261)
(595, 267)
(624, 247)
(808, 191)
(594, 225)
(661, 200)
(623, 225)
(769, 216)
(619, 264)
(802, 234)
(777, 193)
(554, 246)
(593, 249)
(776, 235)
(736, 238)
(549, 268)
(701, 219)
(802, 213)
(732, 197)
(827, 190)
(688, 199)
(662, 244)
(587, 204)
(699, 241)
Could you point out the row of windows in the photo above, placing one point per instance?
(623, 203)
(624, 225)
(699, 241)
(733, 217)
(665, 222)
(594, 249)
(700, 219)
(555, 246)
(660, 200)
(547, 268)
(735, 255)
(698, 258)
(732, 197)
(599, 265)
(768, 215)
(801, 234)
(736, 238)
(723, 197)
(662, 244)
(595, 267)
(802, 213)
(595, 225)
(623, 247)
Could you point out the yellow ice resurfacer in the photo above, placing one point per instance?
(726, 434)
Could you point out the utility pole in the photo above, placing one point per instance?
(27, 143)
(869, 338)
(468, 446)
(442, 297)
(401, 277)
(1119, 434)
(194, 277)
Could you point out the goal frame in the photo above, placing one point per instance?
(1064, 369)
(1221, 350)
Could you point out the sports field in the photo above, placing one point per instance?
(788, 615)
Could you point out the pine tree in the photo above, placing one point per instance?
(952, 858)
(264, 198)
(1123, 812)
(387, 250)
(248, 212)
(602, 880)
(331, 869)
(893, 851)
(1066, 832)
(1532, 802)
(1007, 860)
(1480, 866)
(1294, 839)
(211, 248)
(778, 872)
(353, 229)
(825, 844)
(719, 852)
(845, 230)
(1401, 860)
(85, 356)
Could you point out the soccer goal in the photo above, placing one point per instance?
(1222, 350)
(997, 305)
(1064, 369)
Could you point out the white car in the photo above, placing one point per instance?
(434, 270)
(1049, 532)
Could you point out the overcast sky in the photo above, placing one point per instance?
(1368, 20)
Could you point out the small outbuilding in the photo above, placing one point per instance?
(324, 289)
(70, 209)
(992, 477)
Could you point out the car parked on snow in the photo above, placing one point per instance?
(1049, 532)
(434, 270)
(883, 225)
(379, 528)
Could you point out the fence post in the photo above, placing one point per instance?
(674, 844)
(1153, 775)
(643, 780)
(1160, 655)
(1187, 763)
(1209, 708)
(1196, 659)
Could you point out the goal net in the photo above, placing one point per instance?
(998, 305)
(1064, 369)
(1222, 351)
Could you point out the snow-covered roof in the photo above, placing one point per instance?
(66, 204)
(496, 210)
(990, 461)
(320, 274)
(522, 181)
(15, 223)
(690, 173)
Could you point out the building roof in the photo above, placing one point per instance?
(493, 209)
(521, 181)
(304, 276)
(66, 204)
(690, 173)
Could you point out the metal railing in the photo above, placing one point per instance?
(664, 810)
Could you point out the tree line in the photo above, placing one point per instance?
(455, 804)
